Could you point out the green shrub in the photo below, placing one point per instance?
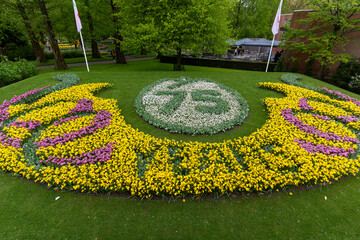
(72, 54)
(354, 84)
(15, 71)
(280, 65)
(345, 71)
(293, 79)
(66, 54)
(49, 55)
(253, 66)
(14, 52)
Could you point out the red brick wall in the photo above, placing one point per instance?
(353, 47)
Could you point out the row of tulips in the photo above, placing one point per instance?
(87, 146)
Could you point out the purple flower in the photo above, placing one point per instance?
(324, 149)
(98, 155)
(326, 118)
(341, 96)
(289, 117)
(13, 142)
(347, 119)
(66, 120)
(101, 120)
(16, 99)
(83, 105)
(28, 125)
(304, 105)
(4, 115)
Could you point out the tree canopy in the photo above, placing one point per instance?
(329, 25)
(178, 24)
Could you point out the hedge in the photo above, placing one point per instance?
(11, 72)
(253, 66)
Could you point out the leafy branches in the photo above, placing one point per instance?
(324, 32)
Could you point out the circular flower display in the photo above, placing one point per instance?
(66, 137)
(193, 106)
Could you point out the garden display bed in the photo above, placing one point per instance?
(66, 137)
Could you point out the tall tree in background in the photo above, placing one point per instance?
(59, 60)
(39, 53)
(94, 46)
(118, 38)
(200, 25)
(329, 26)
(292, 5)
(18, 13)
(252, 18)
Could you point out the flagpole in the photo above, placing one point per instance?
(82, 44)
(272, 44)
(79, 27)
(275, 30)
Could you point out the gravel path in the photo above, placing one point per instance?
(128, 58)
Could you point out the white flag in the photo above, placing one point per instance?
(276, 26)
(77, 17)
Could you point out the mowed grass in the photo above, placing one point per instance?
(30, 211)
(104, 57)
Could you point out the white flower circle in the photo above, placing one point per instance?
(194, 106)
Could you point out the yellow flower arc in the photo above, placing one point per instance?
(279, 154)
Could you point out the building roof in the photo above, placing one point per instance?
(261, 42)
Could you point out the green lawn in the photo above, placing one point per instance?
(105, 57)
(30, 211)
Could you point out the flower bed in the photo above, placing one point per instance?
(73, 140)
(193, 106)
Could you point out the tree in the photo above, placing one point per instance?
(94, 46)
(290, 6)
(327, 28)
(252, 18)
(39, 53)
(17, 13)
(178, 24)
(118, 38)
(59, 60)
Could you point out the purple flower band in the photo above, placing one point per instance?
(341, 96)
(83, 105)
(289, 117)
(324, 149)
(65, 120)
(101, 120)
(347, 119)
(13, 142)
(4, 107)
(98, 155)
(28, 125)
(326, 118)
(304, 105)
(16, 99)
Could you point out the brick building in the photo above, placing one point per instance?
(353, 47)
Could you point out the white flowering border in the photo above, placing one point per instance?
(192, 106)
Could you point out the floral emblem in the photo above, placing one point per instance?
(193, 106)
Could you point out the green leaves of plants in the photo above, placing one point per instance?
(210, 96)
(174, 103)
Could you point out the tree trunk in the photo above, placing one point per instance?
(237, 18)
(159, 55)
(59, 60)
(94, 46)
(177, 65)
(39, 53)
(42, 37)
(119, 53)
(322, 72)
(142, 51)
